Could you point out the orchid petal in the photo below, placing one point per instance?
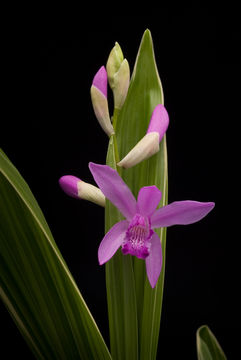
(112, 241)
(148, 200)
(154, 260)
(159, 121)
(180, 213)
(100, 80)
(114, 189)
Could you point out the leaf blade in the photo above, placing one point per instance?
(36, 285)
(208, 347)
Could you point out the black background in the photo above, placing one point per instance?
(50, 130)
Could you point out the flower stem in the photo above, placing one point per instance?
(115, 117)
(114, 121)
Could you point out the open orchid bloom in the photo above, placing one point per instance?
(149, 144)
(135, 235)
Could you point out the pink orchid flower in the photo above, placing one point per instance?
(135, 235)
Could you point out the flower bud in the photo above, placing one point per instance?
(149, 144)
(98, 93)
(145, 148)
(79, 189)
(118, 71)
(122, 80)
(159, 121)
(114, 62)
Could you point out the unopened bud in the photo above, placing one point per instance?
(149, 144)
(145, 148)
(79, 189)
(98, 93)
(114, 62)
(118, 71)
(159, 121)
(122, 80)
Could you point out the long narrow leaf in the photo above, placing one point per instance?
(35, 283)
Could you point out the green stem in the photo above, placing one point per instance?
(114, 120)
(115, 117)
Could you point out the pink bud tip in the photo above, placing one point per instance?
(68, 184)
(159, 121)
(100, 80)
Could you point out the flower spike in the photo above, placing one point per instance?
(79, 189)
(149, 144)
(136, 235)
(98, 93)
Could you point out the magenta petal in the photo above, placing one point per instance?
(100, 80)
(148, 200)
(154, 260)
(180, 213)
(159, 121)
(112, 241)
(68, 184)
(114, 189)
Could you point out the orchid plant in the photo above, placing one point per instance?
(132, 188)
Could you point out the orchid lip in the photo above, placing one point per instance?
(137, 239)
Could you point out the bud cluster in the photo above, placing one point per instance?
(117, 74)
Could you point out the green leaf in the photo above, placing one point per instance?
(208, 347)
(35, 283)
(131, 124)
